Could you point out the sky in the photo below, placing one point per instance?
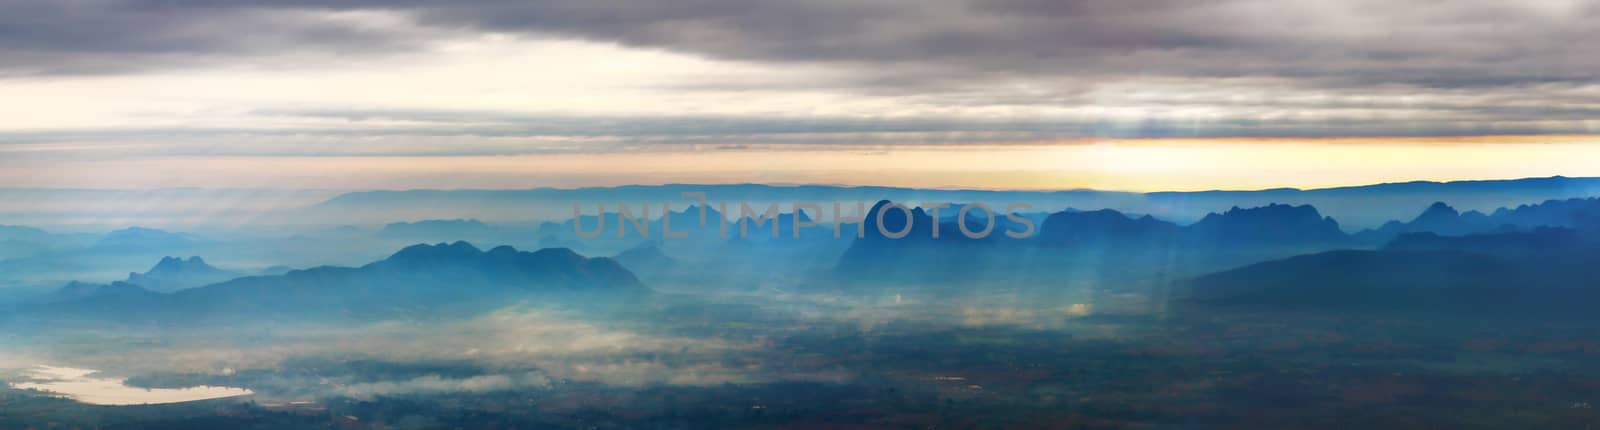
(1005, 94)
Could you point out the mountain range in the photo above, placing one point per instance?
(1103, 243)
(1365, 206)
(417, 278)
(1236, 254)
(1107, 241)
(1524, 273)
(1441, 218)
(173, 274)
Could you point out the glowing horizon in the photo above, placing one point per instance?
(1112, 165)
(375, 96)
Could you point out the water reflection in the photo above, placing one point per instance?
(81, 385)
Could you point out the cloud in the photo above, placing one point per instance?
(406, 132)
(943, 44)
(437, 384)
(824, 72)
(515, 348)
(44, 37)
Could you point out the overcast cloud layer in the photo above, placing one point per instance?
(461, 77)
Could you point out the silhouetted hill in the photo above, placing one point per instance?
(645, 257)
(1106, 244)
(1105, 227)
(1365, 206)
(760, 231)
(140, 239)
(1437, 218)
(610, 230)
(647, 261)
(438, 229)
(415, 279)
(23, 234)
(1541, 242)
(687, 221)
(903, 247)
(545, 269)
(887, 221)
(115, 291)
(172, 274)
(276, 270)
(20, 241)
(1238, 229)
(1274, 224)
(1526, 273)
(1443, 219)
(1580, 214)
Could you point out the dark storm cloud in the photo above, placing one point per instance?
(1470, 43)
(1348, 67)
(69, 37)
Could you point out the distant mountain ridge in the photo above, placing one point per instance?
(457, 228)
(172, 274)
(415, 278)
(1271, 224)
(1366, 206)
(1547, 270)
(1582, 214)
(134, 239)
(22, 241)
(898, 243)
(22, 233)
(1101, 240)
(82, 290)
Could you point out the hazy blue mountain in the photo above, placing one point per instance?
(645, 256)
(23, 233)
(1443, 219)
(173, 273)
(902, 247)
(729, 234)
(415, 279)
(112, 255)
(1272, 225)
(22, 241)
(1106, 227)
(115, 291)
(276, 270)
(1104, 244)
(1582, 214)
(611, 226)
(1437, 218)
(1372, 205)
(1542, 241)
(1547, 270)
(1361, 207)
(456, 229)
(953, 213)
(611, 234)
(140, 239)
(648, 262)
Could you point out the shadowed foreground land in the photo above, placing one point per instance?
(760, 364)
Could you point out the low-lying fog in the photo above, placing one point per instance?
(678, 339)
(85, 386)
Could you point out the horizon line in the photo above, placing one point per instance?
(800, 185)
